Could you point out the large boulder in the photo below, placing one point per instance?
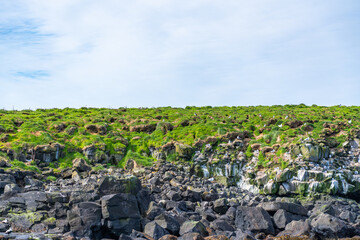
(289, 207)
(254, 219)
(85, 219)
(329, 226)
(282, 218)
(120, 213)
(296, 228)
(122, 205)
(124, 184)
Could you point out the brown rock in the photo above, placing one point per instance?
(168, 237)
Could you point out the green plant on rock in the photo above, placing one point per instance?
(51, 178)
(249, 152)
(18, 164)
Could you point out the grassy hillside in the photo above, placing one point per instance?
(132, 132)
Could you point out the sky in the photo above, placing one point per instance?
(141, 53)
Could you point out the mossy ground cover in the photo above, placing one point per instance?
(131, 132)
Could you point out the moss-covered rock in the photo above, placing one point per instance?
(184, 151)
(271, 187)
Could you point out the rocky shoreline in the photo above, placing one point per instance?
(166, 201)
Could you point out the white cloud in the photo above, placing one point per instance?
(160, 53)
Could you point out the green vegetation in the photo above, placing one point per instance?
(51, 178)
(131, 133)
(18, 164)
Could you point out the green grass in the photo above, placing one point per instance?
(24, 130)
(51, 178)
(21, 165)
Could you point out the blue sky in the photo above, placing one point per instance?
(139, 53)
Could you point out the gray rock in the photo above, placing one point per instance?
(80, 165)
(85, 218)
(222, 225)
(143, 199)
(168, 222)
(153, 210)
(296, 228)
(282, 218)
(220, 206)
(11, 188)
(154, 230)
(122, 205)
(191, 236)
(290, 207)
(254, 219)
(329, 226)
(174, 196)
(240, 235)
(123, 225)
(193, 227)
(125, 184)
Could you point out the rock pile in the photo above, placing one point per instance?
(164, 201)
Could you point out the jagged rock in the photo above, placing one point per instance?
(328, 226)
(153, 210)
(191, 236)
(220, 206)
(282, 218)
(296, 228)
(168, 222)
(174, 196)
(222, 225)
(143, 199)
(254, 219)
(124, 184)
(85, 219)
(118, 206)
(11, 188)
(154, 230)
(123, 225)
(80, 165)
(193, 227)
(240, 235)
(193, 196)
(289, 207)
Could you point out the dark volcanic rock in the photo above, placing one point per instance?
(85, 219)
(124, 184)
(168, 222)
(220, 206)
(122, 205)
(328, 226)
(193, 227)
(153, 210)
(154, 230)
(296, 228)
(282, 218)
(254, 219)
(290, 207)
